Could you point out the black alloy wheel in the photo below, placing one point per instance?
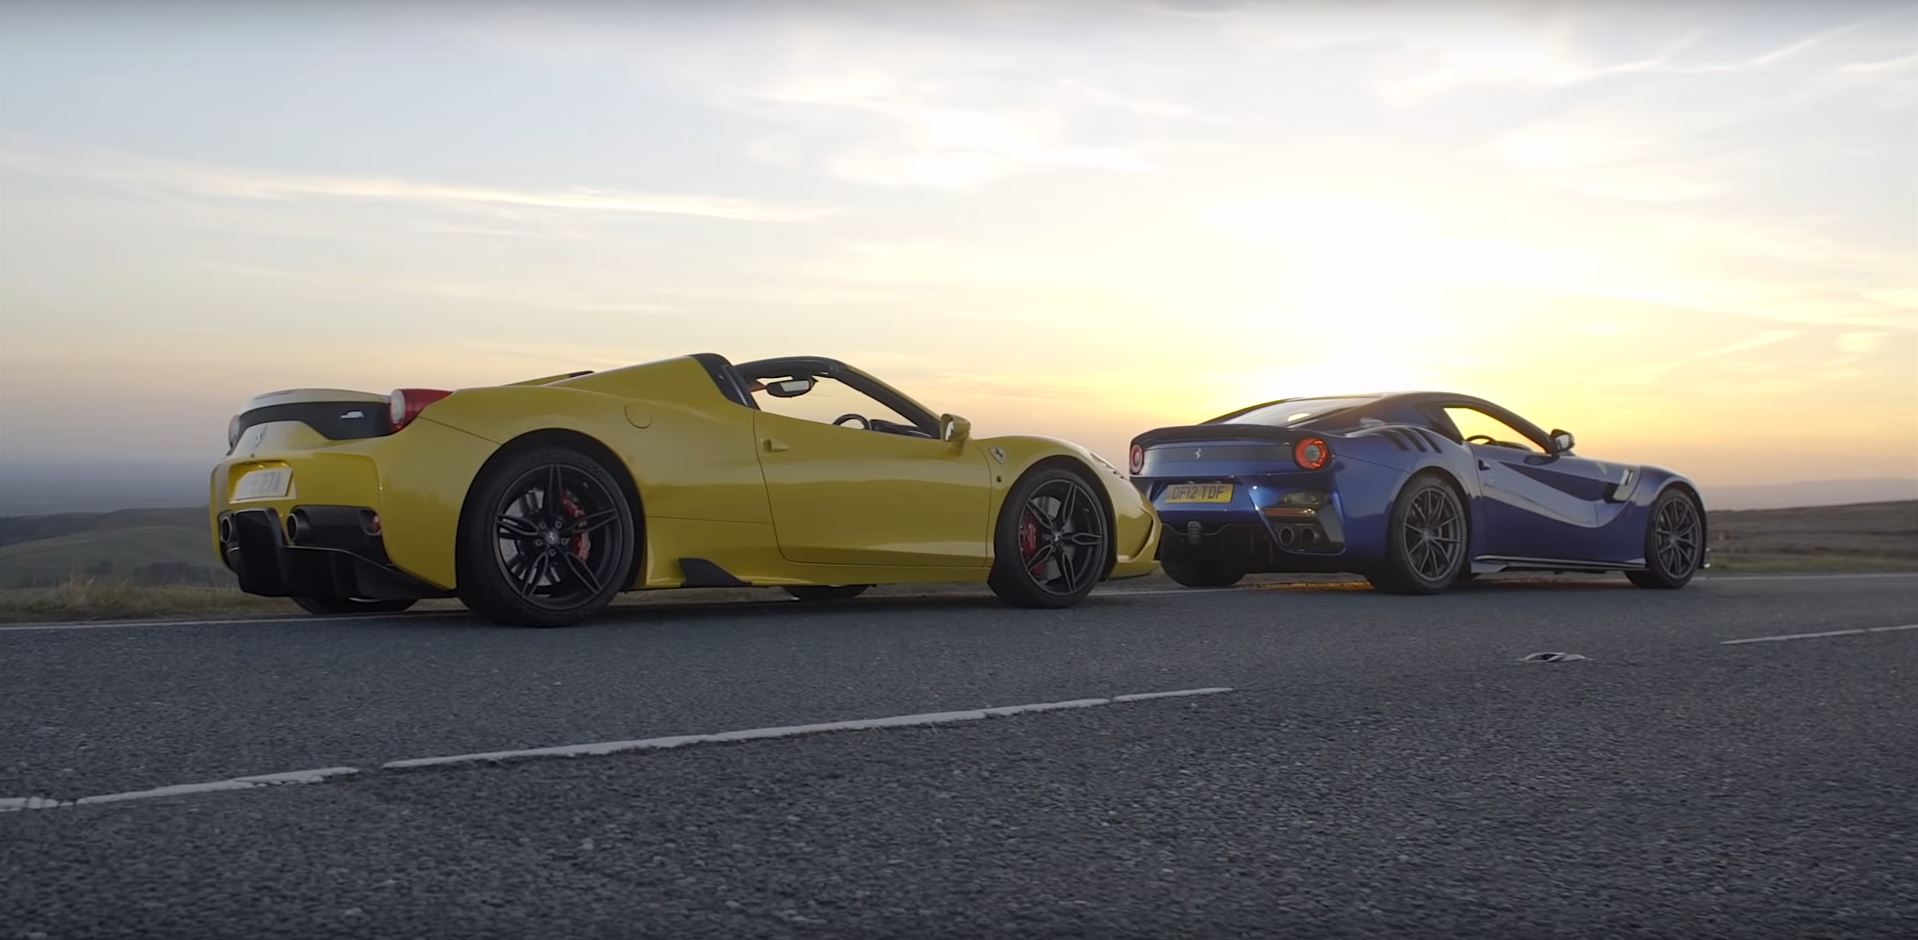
(1427, 540)
(1052, 545)
(553, 543)
(1674, 543)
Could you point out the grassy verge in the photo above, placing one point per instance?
(88, 598)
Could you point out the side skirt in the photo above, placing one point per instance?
(1488, 564)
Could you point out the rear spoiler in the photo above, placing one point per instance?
(1222, 432)
(550, 379)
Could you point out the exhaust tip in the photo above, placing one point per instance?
(1309, 537)
(1287, 536)
(225, 529)
(297, 528)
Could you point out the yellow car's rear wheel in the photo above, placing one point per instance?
(547, 539)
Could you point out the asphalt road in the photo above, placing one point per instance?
(1383, 766)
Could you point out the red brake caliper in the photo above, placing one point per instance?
(1028, 539)
(582, 543)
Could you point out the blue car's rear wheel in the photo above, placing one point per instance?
(1427, 540)
(546, 541)
(1674, 543)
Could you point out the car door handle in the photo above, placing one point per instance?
(1485, 465)
(772, 446)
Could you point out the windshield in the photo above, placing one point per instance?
(1296, 411)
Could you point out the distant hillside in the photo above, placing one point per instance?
(151, 546)
(100, 486)
(171, 546)
(1858, 537)
(1817, 493)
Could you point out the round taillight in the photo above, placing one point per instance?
(1313, 453)
(1137, 459)
(405, 404)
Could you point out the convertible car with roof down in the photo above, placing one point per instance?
(536, 502)
(1416, 491)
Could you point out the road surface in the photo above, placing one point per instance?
(1357, 765)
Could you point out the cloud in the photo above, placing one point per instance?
(1904, 63)
(1860, 344)
(256, 184)
(1749, 343)
(910, 131)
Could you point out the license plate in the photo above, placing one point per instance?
(271, 483)
(1199, 493)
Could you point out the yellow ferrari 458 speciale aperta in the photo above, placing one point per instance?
(536, 502)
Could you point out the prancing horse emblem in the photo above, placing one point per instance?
(1198, 454)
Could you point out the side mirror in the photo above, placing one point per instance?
(1562, 441)
(954, 429)
(790, 388)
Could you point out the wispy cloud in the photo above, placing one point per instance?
(915, 135)
(256, 184)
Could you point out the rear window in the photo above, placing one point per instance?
(1298, 411)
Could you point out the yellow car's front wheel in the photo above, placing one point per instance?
(546, 539)
(1052, 544)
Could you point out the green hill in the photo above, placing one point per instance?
(148, 546)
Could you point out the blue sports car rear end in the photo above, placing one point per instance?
(1417, 491)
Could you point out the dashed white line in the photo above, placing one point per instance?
(597, 749)
(1817, 636)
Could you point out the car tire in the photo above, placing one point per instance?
(1674, 542)
(1428, 519)
(525, 561)
(1053, 541)
(1200, 569)
(334, 606)
(820, 593)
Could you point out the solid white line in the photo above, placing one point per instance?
(1148, 696)
(1708, 576)
(1814, 636)
(293, 777)
(18, 804)
(758, 734)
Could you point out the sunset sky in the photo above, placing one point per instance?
(1687, 233)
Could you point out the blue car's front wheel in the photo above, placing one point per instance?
(1427, 540)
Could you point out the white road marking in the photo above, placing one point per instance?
(1807, 577)
(324, 774)
(294, 777)
(756, 734)
(1815, 636)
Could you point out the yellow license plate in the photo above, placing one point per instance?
(1199, 493)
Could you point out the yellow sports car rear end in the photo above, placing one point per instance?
(537, 502)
